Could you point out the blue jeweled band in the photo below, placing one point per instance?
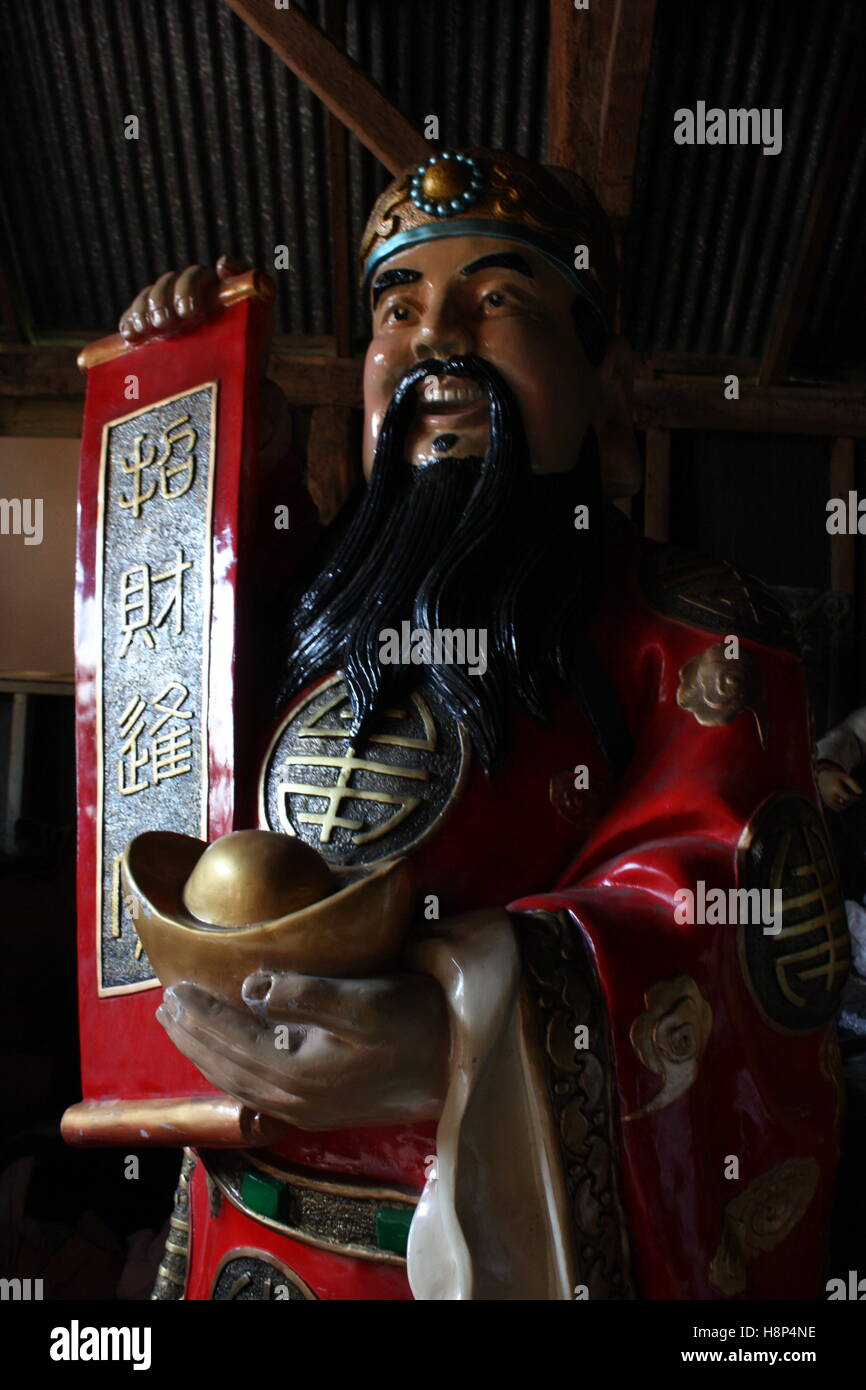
(505, 231)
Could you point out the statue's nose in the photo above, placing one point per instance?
(441, 337)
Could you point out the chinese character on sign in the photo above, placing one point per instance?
(162, 751)
(131, 760)
(170, 466)
(170, 752)
(135, 601)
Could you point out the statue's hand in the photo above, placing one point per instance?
(174, 300)
(320, 1053)
(838, 789)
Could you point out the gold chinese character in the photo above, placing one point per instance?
(179, 432)
(169, 753)
(171, 468)
(135, 606)
(136, 467)
(170, 711)
(131, 759)
(136, 597)
(175, 600)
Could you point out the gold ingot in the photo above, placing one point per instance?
(253, 876)
(355, 930)
(445, 179)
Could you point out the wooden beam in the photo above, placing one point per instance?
(622, 106)
(39, 371)
(31, 370)
(597, 71)
(657, 485)
(332, 469)
(575, 81)
(338, 82)
(312, 381)
(338, 201)
(701, 365)
(596, 76)
(34, 374)
(696, 405)
(846, 130)
(41, 417)
(308, 379)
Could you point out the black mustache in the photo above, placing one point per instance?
(478, 543)
(469, 366)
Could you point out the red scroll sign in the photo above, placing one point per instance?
(166, 554)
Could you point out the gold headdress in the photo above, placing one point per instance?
(489, 193)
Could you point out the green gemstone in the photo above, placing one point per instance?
(264, 1195)
(392, 1228)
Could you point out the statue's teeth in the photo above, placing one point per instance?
(434, 391)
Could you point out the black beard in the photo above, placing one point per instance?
(459, 543)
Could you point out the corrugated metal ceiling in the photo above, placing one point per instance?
(714, 229)
(232, 154)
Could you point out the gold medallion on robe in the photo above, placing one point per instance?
(795, 974)
(359, 801)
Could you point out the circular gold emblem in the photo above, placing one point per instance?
(796, 965)
(445, 180)
(357, 802)
(446, 183)
(253, 1276)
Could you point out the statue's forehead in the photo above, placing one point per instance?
(459, 251)
(441, 259)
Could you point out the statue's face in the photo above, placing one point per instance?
(502, 301)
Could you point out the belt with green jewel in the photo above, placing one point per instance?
(350, 1217)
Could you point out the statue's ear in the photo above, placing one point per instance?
(620, 460)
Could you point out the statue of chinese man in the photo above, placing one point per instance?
(602, 1063)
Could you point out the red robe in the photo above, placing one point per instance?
(700, 1133)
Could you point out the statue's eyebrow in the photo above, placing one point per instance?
(504, 260)
(399, 275)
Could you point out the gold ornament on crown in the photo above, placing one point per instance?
(513, 191)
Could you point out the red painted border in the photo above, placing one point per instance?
(124, 1051)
